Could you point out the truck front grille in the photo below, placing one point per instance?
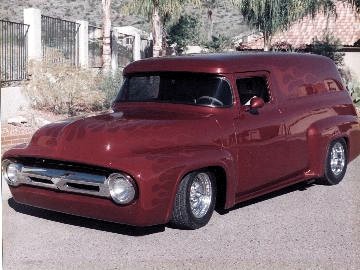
(64, 180)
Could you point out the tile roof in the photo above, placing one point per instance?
(345, 27)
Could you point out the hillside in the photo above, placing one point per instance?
(227, 19)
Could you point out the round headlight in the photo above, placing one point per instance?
(122, 188)
(10, 172)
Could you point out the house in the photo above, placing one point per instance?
(344, 26)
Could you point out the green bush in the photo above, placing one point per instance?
(352, 83)
(327, 46)
(218, 43)
(184, 32)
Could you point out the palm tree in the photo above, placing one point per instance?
(156, 10)
(355, 4)
(270, 16)
(210, 5)
(106, 29)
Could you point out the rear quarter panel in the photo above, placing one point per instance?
(317, 110)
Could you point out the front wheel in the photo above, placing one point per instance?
(336, 162)
(195, 200)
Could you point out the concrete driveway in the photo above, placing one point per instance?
(303, 227)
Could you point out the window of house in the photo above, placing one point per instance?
(252, 87)
(128, 41)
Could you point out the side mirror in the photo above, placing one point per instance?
(256, 103)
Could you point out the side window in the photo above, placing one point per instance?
(331, 85)
(251, 87)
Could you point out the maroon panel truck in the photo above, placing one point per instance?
(186, 133)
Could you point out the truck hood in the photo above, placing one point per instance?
(121, 134)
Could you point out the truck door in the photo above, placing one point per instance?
(260, 135)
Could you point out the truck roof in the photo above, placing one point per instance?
(228, 62)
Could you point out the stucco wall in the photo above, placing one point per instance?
(12, 101)
(352, 61)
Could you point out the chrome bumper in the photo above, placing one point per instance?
(64, 180)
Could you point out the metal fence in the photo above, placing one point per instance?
(13, 51)
(95, 46)
(124, 50)
(60, 40)
(60, 43)
(146, 48)
(121, 47)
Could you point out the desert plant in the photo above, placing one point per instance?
(327, 46)
(61, 88)
(110, 85)
(184, 32)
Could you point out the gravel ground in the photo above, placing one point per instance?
(303, 227)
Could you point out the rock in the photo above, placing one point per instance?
(41, 121)
(17, 121)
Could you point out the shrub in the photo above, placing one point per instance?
(328, 46)
(61, 88)
(184, 32)
(218, 43)
(352, 83)
(282, 46)
(110, 85)
(354, 89)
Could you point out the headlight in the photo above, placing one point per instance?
(10, 172)
(122, 188)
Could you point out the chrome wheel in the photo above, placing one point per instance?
(200, 195)
(337, 159)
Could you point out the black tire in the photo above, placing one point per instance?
(182, 215)
(330, 178)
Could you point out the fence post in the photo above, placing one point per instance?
(137, 47)
(83, 43)
(32, 17)
(114, 50)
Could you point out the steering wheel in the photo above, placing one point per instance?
(215, 100)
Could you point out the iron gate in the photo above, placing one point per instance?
(13, 51)
(60, 40)
(95, 46)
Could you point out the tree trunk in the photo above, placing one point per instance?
(156, 32)
(106, 29)
(210, 17)
(210, 34)
(267, 42)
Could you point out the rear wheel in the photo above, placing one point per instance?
(336, 162)
(195, 200)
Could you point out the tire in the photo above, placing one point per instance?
(338, 156)
(187, 215)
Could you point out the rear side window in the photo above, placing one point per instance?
(320, 87)
(252, 87)
(331, 85)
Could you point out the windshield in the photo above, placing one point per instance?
(184, 88)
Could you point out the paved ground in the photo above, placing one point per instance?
(304, 227)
